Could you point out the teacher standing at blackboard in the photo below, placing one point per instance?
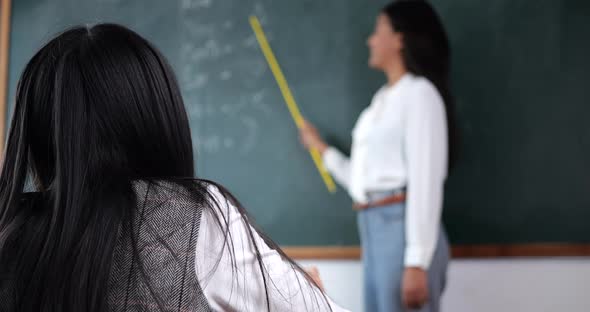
(402, 144)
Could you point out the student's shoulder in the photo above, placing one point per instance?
(180, 195)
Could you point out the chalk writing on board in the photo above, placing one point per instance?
(225, 75)
(194, 81)
(252, 134)
(233, 126)
(243, 140)
(228, 143)
(195, 4)
(210, 49)
(223, 79)
(195, 29)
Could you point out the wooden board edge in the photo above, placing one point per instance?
(323, 253)
(458, 251)
(5, 10)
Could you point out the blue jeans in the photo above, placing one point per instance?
(382, 233)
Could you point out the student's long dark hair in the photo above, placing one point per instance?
(96, 109)
(426, 52)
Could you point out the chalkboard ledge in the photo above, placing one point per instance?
(458, 251)
(320, 252)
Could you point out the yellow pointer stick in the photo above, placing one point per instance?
(293, 109)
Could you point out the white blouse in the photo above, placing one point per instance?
(237, 285)
(400, 140)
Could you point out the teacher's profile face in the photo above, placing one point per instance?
(385, 44)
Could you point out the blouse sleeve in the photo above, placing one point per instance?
(426, 154)
(229, 272)
(338, 165)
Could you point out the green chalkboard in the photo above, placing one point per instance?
(518, 73)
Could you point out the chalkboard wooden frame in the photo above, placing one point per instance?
(458, 251)
(4, 51)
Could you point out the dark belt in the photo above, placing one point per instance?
(389, 200)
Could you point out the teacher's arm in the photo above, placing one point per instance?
(426, 154)
(335, 161)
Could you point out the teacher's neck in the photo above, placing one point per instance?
(394, 73)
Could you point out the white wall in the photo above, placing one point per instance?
(520, 285)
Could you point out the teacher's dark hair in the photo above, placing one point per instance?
(97, 108)
(426, 52)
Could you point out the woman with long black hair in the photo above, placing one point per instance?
(100, 209)
(402, 146)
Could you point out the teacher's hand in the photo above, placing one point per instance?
(310, 138)
(414, 288)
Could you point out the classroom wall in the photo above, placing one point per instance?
(520, 285)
